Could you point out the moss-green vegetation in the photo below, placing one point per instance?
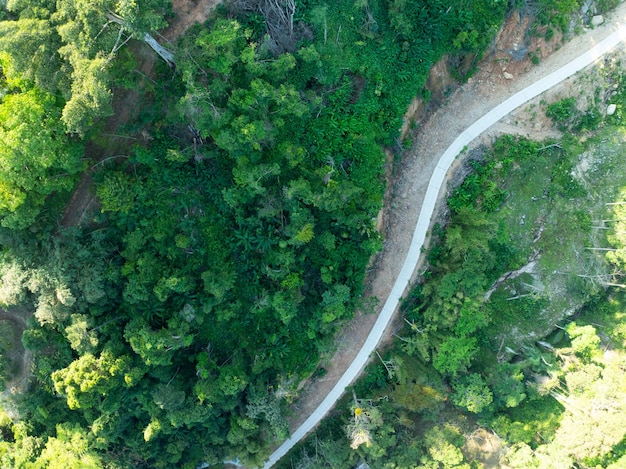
(558, 13)
(515, 343)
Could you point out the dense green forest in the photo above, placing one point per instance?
(236, 207)
(514, 348)
(236, 213)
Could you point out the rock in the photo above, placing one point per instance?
(597, 20)
(587, 5)
(507, 76)
(610, 110)
(470, 80)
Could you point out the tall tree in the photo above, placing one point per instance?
(36, 157)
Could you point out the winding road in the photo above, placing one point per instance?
(616, 35)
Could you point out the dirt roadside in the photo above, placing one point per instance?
(499, 77)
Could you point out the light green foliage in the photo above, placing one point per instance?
(157, 347)
(365, 420)
(55, 61)
(596, 411)
(116, 193)
(585, 341)
(30, 54)
(68, 450)
(269, 407)
(35, 156)
(454, 355)
(616, 235)
(142, 16)
(67, 48)
(220, 45)
(443, 445)
(472, 393)
(80, 335)
(418, 398)
(12, 288)
(88, 379)
(91, 97)
(594, 400)
(621, 462)
(521, 456)
(21, 452)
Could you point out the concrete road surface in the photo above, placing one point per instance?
(428, 206)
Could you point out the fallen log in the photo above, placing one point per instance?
(166, 54)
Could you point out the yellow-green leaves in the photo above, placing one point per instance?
(36, 158)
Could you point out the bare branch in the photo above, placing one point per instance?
(279, 15)
(107, 159)
(557, 145)
(164, 53)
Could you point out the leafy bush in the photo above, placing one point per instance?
(562, 112)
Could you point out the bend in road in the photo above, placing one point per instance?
(428, 206)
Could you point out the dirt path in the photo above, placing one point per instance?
(465, 106)
(188, 13)
(84, 203)
(21, 357)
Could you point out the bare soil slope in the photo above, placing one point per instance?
(188, 13)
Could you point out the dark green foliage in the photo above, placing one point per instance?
(231, 244)
(67, 49)
(565, 115)
(562, 112)
(588, 121)
(478, 327)
(558, 13)
(506, 380)
(376, 378)
(36, 156)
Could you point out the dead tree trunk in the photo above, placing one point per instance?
(164, 53)
(278, 16)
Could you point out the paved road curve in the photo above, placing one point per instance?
(428, 207)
